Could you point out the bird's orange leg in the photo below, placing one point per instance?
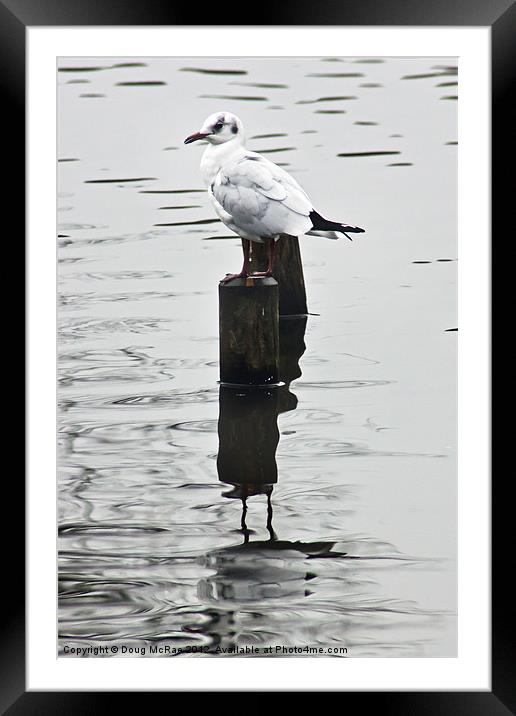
(246, 245)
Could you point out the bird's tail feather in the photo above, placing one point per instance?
(324, 227)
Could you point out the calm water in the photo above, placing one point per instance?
(346, 536)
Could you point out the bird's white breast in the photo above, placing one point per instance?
(214, 158)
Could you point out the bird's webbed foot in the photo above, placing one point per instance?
(232, 276)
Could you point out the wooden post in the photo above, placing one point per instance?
(288, 272)
(249, 334)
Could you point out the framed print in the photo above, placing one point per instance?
(287, 462)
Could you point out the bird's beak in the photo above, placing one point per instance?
(194, 137)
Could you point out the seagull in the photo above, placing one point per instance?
(254, 197)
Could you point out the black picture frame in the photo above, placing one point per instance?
(500, 15)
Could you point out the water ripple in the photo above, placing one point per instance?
(82, 328)
(333, 384)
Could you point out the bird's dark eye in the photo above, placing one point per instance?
(218, 126)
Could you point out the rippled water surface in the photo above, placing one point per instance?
(319, 514)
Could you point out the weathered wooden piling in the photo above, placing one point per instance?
(248, 329)
(288, 272)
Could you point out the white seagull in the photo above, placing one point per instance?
(254, 197)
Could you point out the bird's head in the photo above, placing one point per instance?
(218, 128)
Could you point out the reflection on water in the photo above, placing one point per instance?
(248, 421)
(205, 519)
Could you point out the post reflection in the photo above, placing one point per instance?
(248, 438)
(248, 426)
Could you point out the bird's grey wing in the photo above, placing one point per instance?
(295, 197)
(237, 193)
(253, 182)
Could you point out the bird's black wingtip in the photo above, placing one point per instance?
(319, 223)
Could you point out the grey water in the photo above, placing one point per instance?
(321, 514)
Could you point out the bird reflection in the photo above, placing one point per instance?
(262, 569)
(257, 570)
